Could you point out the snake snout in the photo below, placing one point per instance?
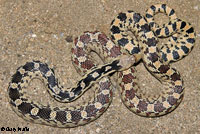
(126, 61)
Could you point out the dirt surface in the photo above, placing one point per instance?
(38, 29)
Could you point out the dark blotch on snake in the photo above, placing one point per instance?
(115, 51)
(174, 38)
(115, 66)
(142, 105)
(115, 30)
(137, 17)
(85, 39)
(25, 108)
(130, 94)
(164, 7)
(44, 68)
(145, 28)
(183, 24)
(191, 30)
(122, 16)
(168, 50)
(90, 77)
(44, 113)
(104, 85)
(191, 40)
(148, 16)
(175, 55)
(151, 24)
(157, 32)
(164, 56)
(28, 66)
(174, 26)
(17, 77)
(65, 95)
(151, 42)
(61, 116)
(52, 81)
(127, 78)
(178, 89)
(171, 100)
(103, 99)
(171, 12)
(175, 77)
(164, 68)
(14, 94)
(91, 110)
(76, 116)
(135, 50)
(153, 8)
(167, 31)
(122, 41)
(185, 49)
(130, 21)
(153, 57)
(158, 107)
(102, 39)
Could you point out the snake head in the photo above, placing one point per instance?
(126, 61)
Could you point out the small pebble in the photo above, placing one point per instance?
(196, 7)
(55, 36)
(98, 130)
(69, 38)
(33, 35)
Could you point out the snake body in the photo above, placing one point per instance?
(181, 33)
(155, 60)
(115, 58)
(69, 116)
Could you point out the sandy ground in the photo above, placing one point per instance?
(37, 29)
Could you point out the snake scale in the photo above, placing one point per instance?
(118, 54)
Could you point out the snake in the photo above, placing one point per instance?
(118, 54)
(145, 47)
(95, 75)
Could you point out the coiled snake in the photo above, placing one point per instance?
(116, 59)
(146, 48)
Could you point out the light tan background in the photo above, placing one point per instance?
(37, 29)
